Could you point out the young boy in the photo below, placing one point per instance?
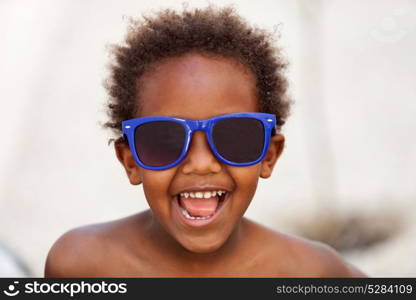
(197, 102)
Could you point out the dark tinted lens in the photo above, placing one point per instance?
(159, 143)
(239, 140)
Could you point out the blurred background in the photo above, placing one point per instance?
(348, 173)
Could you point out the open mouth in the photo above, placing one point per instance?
(200, 205)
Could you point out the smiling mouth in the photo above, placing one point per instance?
(200, 205)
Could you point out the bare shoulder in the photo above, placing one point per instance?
(80, 252)
(301, 257)
(319, 259)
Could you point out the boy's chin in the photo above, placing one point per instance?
(202, 245)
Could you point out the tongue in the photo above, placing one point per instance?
(198, 207)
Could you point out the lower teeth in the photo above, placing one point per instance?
(188, 216)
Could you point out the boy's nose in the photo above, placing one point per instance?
(200, 159)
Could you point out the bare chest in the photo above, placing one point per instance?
(131, 265)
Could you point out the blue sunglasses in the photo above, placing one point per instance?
(239, 139)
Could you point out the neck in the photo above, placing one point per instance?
(164, 243)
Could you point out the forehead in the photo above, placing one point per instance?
(196, 86)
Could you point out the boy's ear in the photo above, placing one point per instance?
(276, 146)
(126, 159)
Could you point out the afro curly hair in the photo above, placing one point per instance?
(217, 31)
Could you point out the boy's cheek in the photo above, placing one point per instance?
(156, 190)
(245, 176)
(246, 180)
(156, 183)
(159, 191)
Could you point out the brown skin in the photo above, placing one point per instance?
(156, 242)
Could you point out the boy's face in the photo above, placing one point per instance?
(198, 87)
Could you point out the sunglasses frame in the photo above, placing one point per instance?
(190, 126)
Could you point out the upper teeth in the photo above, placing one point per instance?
(205, 194)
